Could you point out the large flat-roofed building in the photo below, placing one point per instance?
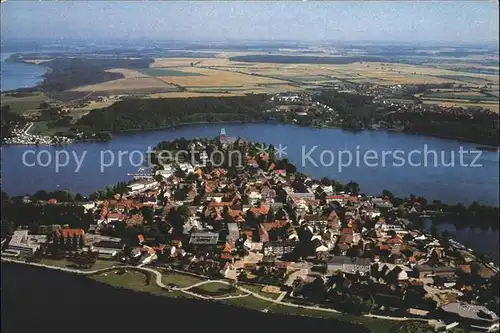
(349, 264)
(233, 232)
(142, 185)
(24, 243)
(475, 316)
(204, 238)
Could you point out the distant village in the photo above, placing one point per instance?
(302, 108)
(264, 223)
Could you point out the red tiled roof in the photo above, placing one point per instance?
(395, 240)
(226, 256)
(70, 233)
(219, 204)
(262, 210)
(347, 231)
(341, 197)
(275, 225)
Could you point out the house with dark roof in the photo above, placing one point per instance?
(348, 265)
(204, 238)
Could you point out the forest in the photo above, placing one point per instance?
(144, 114)
(358, 112)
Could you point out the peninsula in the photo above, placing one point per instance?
(259, 234)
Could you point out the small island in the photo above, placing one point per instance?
(258, 234)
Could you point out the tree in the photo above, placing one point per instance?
(148, 214)
(326, 181)
(74, 242)
(68, 242)
(270, 215)
(7, 228)
(41, 195)
(178, 217)
(352, 187)
(388, 194)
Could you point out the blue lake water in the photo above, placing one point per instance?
(19, 75)
(448, 184)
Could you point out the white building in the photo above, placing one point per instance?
(142, 185)
(25, 243)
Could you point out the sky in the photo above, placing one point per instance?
(408, 21)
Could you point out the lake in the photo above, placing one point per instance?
(40, 300)
(448, 184)
(19, 75)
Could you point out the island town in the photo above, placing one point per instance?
(260, 229)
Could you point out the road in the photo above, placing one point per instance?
(27, 129)
(159, 282)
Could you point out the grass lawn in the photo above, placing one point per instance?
(99, 264)
(216, 290)
(250, 302)
(180, 280)
(22, 104)
(135, 280)
(166, 72)
(42, 128)
(131, 279)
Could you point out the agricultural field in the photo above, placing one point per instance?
(203, 78)
(176, 62)
(191, 94)
(220, 76)
(25, 104)
(494, 107)
(217, 75)
(159, 71)
(131, 86)
(460, 95)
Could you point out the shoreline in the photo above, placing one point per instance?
(480, 146)
(159, 283)
(39, 78)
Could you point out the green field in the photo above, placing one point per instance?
(180, 280)
(478, 97)
(43, 128)
(216, 290)
(23, 104)
(166, 72)
(463, 78)
(215, 87)
(99, 264)
(138, 281)
(130, 279)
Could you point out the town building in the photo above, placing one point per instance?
(204, 238)
(475, 316)
(24, 243)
